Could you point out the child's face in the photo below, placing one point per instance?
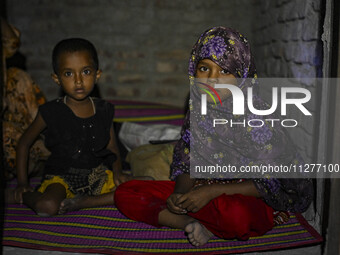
(210, 73)
(76, 74)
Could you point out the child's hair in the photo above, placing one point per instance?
(73, 45)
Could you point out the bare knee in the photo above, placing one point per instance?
(47, 207)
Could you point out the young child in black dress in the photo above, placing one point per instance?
(84, 167)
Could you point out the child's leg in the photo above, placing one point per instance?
(236, 216)
(197, 233)
(146, 201)
(228, 217)
(143, 200)
(85, 201)
(47, 203)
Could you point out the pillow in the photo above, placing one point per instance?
(151, 160)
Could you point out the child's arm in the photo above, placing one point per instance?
(182, 186)
(196, 199)
(183, 183)
(118, 176)
(22, 154)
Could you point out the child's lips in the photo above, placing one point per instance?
(80, 91)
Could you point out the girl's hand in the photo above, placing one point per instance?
(171, 203)
(120, 178)
(195, 199)
(19, 190)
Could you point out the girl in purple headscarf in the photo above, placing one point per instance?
(230, 207)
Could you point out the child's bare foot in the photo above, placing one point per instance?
(73, 204)
(197, 233)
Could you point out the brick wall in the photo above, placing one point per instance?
(143, 45)
(287, 43)
(286, 38)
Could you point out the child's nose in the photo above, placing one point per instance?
(212, 77)
(214, 74)
(212, 81)
(78, 79)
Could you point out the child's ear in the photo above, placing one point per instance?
(55, 78)
(98, 74)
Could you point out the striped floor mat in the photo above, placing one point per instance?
(147, 113)
(105, 230)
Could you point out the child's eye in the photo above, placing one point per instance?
(224, 72)
(68, 74)
(203, 68)
(87, 71)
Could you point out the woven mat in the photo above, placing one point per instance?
(147, 113)
(105, 230)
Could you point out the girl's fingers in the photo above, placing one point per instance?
(191, 207)
(181, 200)
(175, 208)
(187, 204)
(179, 211)
(194, 210)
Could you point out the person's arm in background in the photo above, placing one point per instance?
(22, 154)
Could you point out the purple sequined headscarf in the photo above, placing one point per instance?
(227, 48)
(231, 51)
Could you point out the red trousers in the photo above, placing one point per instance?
(227, 216)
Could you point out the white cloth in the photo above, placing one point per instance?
(133, 135)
